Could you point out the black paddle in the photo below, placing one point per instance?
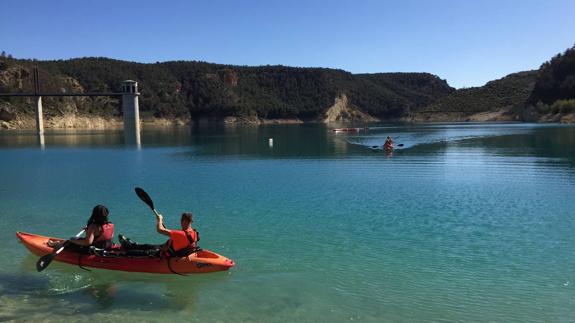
(146, 198)
(400, 145)
(45, 261)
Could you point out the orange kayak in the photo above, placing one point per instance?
(347, 129)
(203, 261)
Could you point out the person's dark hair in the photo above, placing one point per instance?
(99, 215)
(187, 215)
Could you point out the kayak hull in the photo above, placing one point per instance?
(203, 261)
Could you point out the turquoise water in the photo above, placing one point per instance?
(467, 222)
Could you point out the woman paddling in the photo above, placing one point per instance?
(99, 232)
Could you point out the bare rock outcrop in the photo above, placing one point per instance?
(230, 77)
(342, 111)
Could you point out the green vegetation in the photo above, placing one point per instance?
(504, 94)
(519, 96)
(563, 106)
(204, 90)
(556, 79)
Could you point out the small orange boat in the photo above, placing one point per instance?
(347, 129)
(203, 261)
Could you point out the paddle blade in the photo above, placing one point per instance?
(44, 262)
(400, 145)
(144, 197)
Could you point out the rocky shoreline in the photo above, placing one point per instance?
(97, 122)
(341, 112)
(102, 123)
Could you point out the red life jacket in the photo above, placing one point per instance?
(104, 240)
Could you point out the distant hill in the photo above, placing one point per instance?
(553, 96)
(545, 95)
(197, 90)
(556, 79)
(184, 90)
(496, 100)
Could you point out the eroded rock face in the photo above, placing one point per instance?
(230, 77)
(6, 115)
(342, 111)
(71, 85)
(14, 77)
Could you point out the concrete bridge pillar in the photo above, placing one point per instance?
(39, 116)
(131, 112)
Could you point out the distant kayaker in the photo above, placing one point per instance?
(388, 143)
(181, 243)
(99, 232)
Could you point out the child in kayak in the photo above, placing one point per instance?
(99, 232)
(181, 243)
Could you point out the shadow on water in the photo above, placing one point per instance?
(95, 291)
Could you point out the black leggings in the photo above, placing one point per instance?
(150, 250)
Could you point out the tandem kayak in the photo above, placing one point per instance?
(203, 261)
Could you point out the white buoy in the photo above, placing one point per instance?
(271, 142)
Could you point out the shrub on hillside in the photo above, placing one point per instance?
(563, 106)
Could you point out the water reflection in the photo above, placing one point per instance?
(61, 138)
(316, 140)
(41, 140)
(96, 290)
(132, 138)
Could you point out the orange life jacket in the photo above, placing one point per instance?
(183, 241)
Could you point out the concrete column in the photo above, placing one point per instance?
(131, 111)
(39, 115)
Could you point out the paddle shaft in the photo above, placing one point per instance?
(400, 145)
(66, 242)
(45, 261)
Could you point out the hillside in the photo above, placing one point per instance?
(553, 96)
(199, 90)
(183, 91)
(495, 101)
(544, 95)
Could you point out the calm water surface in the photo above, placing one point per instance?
(468, 222)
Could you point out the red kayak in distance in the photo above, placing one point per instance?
(203, 261)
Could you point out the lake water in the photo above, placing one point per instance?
(467, 222)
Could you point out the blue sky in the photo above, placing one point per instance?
(466, 42)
